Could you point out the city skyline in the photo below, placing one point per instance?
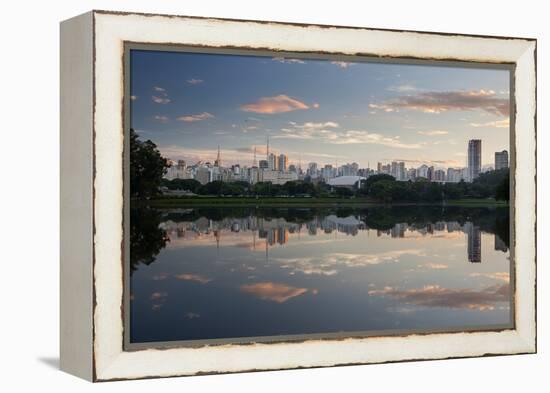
(316, 110)
(276, 169)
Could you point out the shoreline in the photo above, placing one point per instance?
(305, 202)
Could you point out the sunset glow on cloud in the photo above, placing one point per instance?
(277, 104)
(315, 110)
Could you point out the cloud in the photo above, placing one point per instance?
(276, 104)
(194, 277)
(272, 291)
(504, 276)
(504, 123)
(433, 132)
(161, 97)
(366, 137)
(192, 315)
(194, 81)
(436, 296)
(160, 276)
(329, 132)
(158, 295)
(133, 98)
(342, 64)
(288, 61)
(427, 161)
(237, 154)
(331, 263)
(402, 88)
(161, 118)
(443, 101)
(197, 117)
(316, 126)
(161, 100)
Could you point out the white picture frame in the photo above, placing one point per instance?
(92, 194)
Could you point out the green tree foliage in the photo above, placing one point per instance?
(492, 184)
(147, 167)
(182, 184)
(503, 189)
(373, 179)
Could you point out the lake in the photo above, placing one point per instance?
(203, 273)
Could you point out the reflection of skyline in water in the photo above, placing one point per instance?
(254, 272)
(276, 231)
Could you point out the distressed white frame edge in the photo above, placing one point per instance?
(110, 32)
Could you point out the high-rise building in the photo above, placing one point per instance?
(394, 169)
(218, 161)
(272, 162)
(454, 175)
(264, 164)
(283, 163)
(439, 175)
(203, 175)
(401, 173)
(430, 173)
(411, 174)
(474, 159)
(501, 160)
(312, 169)
(422, 171)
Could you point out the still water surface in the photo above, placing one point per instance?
(221, 272)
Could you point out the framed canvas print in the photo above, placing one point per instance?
(246, 195)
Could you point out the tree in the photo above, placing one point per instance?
(375, 178)
(183, 184)
(147, 167)
(502, 191)
(147, 238)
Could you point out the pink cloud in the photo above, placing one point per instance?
(272, 291)
(444, 101)
(276, 104)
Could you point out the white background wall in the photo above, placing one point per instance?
(29, 150)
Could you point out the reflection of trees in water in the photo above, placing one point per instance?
(490, 219)
(147, 239)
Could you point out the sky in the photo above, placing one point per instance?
(329, 112)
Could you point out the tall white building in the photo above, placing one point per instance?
(283, 163)
(272, 162)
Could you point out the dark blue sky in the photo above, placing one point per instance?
(316, 110)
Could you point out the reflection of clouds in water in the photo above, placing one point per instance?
(433, 266)
(160, 276)
(329, 264)
(194, 277)
(436, 296)
(158, 295)
(273, 291)
(504, 276)
(158, 299)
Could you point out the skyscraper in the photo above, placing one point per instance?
(283, 162)
(474, 158)
(501, 160)
(218, 161)
(272, 161)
